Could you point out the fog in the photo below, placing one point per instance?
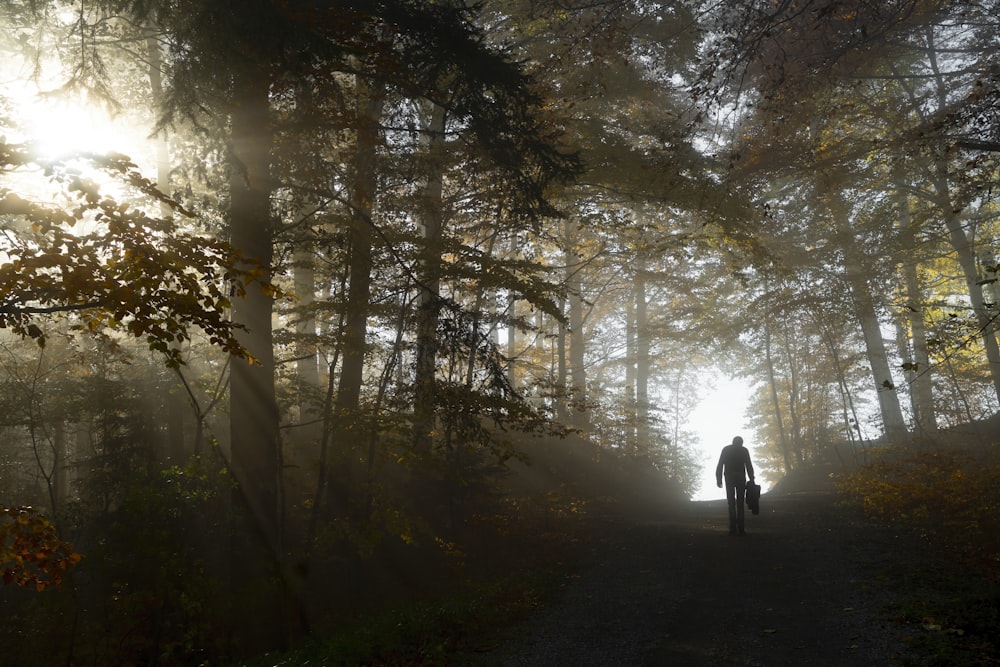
(719, 417)
(356, 333)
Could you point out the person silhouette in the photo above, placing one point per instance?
(734, 464)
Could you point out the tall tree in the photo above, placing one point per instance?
(918, 365)
(432, 214)
(253, 409)
(369, 99)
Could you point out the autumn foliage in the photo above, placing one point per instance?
(31, 553)
(948, 494)
(107, 260)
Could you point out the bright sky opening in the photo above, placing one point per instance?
(719, 417)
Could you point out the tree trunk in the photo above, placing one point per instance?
(642, 368)
(60, 468)
(361, 236)
(256, 455)
(175, 447)
(562, 370)
(631, 435)
(306, 358)
(850, 414)
(871, 329)
(921, 393)
(429, 300)
(580, 417)
(254, 413)
(962, 241)
(483, 303)
(155, 58)
(888, 398)
(306, 362)
(786, 452)
(793, 394)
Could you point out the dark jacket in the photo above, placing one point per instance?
(735, 463)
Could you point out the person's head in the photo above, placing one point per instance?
(738, 441)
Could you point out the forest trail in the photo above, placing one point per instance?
(805, 586)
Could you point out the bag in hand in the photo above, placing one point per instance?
(753, 497)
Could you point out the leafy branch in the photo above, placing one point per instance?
(31, 553)
(129, 272)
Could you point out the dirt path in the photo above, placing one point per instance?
(801, 588)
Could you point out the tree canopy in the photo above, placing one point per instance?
(340, 273)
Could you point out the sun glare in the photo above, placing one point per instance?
(59, 125)
(60, 128)
(60, 120)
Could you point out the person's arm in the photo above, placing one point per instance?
(718, 470)
(749, 465)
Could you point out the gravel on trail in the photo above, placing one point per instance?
(803, 587)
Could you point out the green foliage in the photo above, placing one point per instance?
(153, 578)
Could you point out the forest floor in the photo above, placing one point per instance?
(812, 583)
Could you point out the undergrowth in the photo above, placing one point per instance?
(535, 549)
(951, 498)
(447, 632)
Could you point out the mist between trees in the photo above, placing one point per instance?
(371, 283)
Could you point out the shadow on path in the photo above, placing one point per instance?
(801, 588)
